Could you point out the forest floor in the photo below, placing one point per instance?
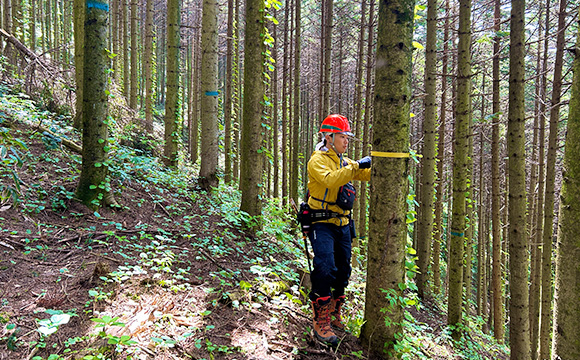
(170, 274)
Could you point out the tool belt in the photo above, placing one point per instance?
(306, 216)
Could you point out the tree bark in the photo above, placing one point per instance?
(425, 224)
(148, 66)
(296, 114)
(389, 183)
(94, 186)
(252, 145)
(171, 119)
(228, 95)
(496, 268)
(460, 169)
(209, 96)
(518, 240)
(567, 305)
(546, 301)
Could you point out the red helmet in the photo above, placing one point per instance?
(336, 123)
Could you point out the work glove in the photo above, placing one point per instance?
(364, 163)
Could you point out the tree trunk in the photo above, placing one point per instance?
(195, 107)
(126, 48)
(567, 307)
(252, 145)
(275, 104)
(518, 240)
(285, 78)
(389, 187)
(546, 302)
(538, 213)
(496, 268)
(460, 168)
(296, 115)
(32, 25)
(228, 95)
(135, 53)
(209, 96)
(367, 120)
(425, 224)
(79, 20)
(358, 146)
(148, 66)
(94, 185)
(171, 119)
(438, 231)
(237, 91)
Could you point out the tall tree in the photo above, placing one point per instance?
(253, 109)
(171, 119)
(496, 269)
(518, 240)
(425, 223)
(534, 197)
(296, 114)
(93, 188)
(539, 216)
(79, 20)
(389, 187)
(567, 306)
(460, 167)
(126, 47)
(209, 95)
(438, 233)
(135, 49)
(546, 312)
(228, 95)
(367, 117)
(148, 66)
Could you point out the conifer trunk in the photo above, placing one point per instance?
(425, 224)
(567, 308)
(209, 95)
(228, 95)
(389, 183)
(496, 267)
(251, 145)
(171, 119)
(460, 168)
(546, 301)
(518, 240)
(93, 185)
(148, 66)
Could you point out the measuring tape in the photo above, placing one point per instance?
(392, 154)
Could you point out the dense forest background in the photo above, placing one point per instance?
(197, 118)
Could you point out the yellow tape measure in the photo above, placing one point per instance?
(392, 154)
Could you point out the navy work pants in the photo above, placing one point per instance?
(332, 252)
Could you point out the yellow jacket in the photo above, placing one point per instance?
(326, 175)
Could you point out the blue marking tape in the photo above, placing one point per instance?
(212, 93)
(457, 234)
(97, 5)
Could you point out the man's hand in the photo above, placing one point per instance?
(364, 163)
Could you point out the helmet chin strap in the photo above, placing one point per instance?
(334, 147)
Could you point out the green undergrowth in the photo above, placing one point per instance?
(160, 253)
(154, 253)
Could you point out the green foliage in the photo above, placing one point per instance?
(10, 159)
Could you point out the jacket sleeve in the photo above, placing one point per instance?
(360, 174)
(321, 170)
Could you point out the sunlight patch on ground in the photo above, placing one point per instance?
(157, 314)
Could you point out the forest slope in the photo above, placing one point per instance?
(171, 274)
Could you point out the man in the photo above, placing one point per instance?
(329, 174)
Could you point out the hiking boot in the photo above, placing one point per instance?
(335, 314)
(321, 308)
